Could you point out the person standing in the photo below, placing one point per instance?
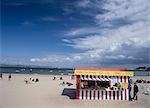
(135, 91)
(130, 88)
(9, 77)
(1, 75)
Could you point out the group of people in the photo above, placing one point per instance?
(63, 83)
(54, 78)
(31, 80)
(142, 81)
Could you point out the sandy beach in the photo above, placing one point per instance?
(49, 93)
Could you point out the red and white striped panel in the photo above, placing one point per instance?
(101, 95)
(105, 95)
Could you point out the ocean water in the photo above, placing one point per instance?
(27, 70)
(52, 71)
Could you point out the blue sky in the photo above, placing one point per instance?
(75, 33)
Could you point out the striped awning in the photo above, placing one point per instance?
(95, 78)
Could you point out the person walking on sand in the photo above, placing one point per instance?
(9, 77)
(1, 75)
(135, 91)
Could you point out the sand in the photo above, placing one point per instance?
(49, 93)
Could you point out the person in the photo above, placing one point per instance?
(1, 75)
(72, 77)
(25, 80)
(54, 78)
(63, 83)
(135, 91)
(130, 88)
(82, 85)
(61, 78)
(130, 80)
(119, 86)
(36, 80)
(9, 77)
(33, 80)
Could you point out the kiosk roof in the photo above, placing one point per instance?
(103, 71)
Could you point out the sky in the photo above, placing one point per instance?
(75, 33)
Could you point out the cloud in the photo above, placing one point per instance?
(27, 23)
(84, 31)
(66, 41)
(67, 10)
(83, 3)
(92, 4)
(124, 43)
(132, 10)
(130, 34)
(49, 18)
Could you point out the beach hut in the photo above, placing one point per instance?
(103, 84)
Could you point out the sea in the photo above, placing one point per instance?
(52, 71)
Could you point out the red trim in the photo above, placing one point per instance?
(117, 95)
(125, 89)
(110, 95)
(87, 76)
(102, 95)
(77, 86)
(86, 94)
(94, 94)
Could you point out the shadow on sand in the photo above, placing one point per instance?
(71, 93)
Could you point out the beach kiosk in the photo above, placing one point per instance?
(103, 84)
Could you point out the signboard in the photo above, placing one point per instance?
(104, 73)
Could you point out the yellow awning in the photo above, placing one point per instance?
(104, 73)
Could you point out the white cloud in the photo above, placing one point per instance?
(126, 42)
(112, 39)
(27, 23)
(84, 31)
(49, 18)
(67, 10)
(92, 4)
(66, 41)
(83, 3)
(129, 9)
